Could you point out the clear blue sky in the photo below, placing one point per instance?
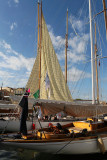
(18, 41)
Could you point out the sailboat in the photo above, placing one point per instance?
(79, 137)
(46, 80)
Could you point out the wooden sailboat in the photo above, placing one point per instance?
(72, 143)
(79, 137)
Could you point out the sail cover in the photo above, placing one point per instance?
(57, 88)
(70, 108)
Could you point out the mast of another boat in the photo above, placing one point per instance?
(92, 56)
(40, 41)
(38, 27)
(96, 66)
(105, 16)
(66, 46)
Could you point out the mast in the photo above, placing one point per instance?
(38, 26)
(105, 16)
(40, 47)
(96, 66)
(66, 46)
(92, 56)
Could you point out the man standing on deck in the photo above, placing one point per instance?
(24, 114)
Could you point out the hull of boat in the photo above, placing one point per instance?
(86, 146)
(14, 125)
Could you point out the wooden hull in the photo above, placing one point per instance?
(83, 145)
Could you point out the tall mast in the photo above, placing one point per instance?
(66, 46)
(105, 16)
(40, 47)
(38, 26)
(96, 66)
(92, 56)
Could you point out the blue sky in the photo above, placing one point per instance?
(18, 41)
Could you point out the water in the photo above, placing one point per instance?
(24, 154)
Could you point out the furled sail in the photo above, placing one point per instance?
(55, 87)
(77, 110)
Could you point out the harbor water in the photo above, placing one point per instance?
(24, 154)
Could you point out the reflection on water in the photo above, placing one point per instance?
(24, 154)
(4, 155)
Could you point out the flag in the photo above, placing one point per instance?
(36, 94)
(47, 81)
(28, 91)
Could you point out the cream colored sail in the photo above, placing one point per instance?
(57, 88)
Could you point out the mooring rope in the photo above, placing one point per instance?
(65, 145)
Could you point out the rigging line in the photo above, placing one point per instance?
(77, 33)
(79, 79)
(82, 81)
(81, 84)
(97, 27)
(82, 75)
(94, 7)
(101, 85)
(64, 145)
(7, 79)
(99, 82)
(101, 37)
(17, 81)
(73, 81)
(82, 9)
(101, 79)
(88, 89)
(35, 42)
(35, 39)
(99, 50)
(75, 30)
(75, 73)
